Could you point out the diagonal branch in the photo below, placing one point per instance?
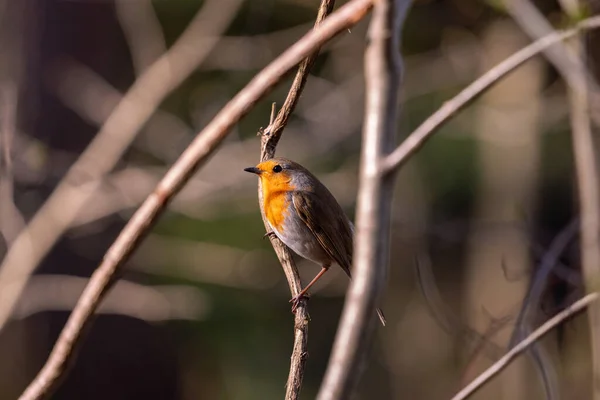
(197, 152)
(383, 75)
(523, 345)
(420, 135)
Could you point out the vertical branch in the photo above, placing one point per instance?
(269, 139)
(581, 103)
(589, 201)
(383, 74)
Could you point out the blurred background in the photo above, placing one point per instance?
(201, 311)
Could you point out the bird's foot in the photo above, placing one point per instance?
(269, 235)
(296, 301)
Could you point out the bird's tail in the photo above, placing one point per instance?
(381, 316)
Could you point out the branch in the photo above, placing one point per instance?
(522, 346)
(142, 32)
(383, 74)
(11, 219)
(562, 57)
(105, 150)
(269, 139)
(198, 151)
(271, 135)
(420, 135)
(586, 168)
(532, 303)
(568, 61)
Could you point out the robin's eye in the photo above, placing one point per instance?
(277, 168)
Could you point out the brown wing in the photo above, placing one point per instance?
(329, 226)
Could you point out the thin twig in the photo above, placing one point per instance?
(107, 147)
(420, 135)
(269, 139)
(522, 346)
(198, 151)
(272, 134)
(383, 75)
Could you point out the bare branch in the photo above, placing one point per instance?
(61, 208)
(522, 346)
(420, 135)
(273, 132)
(198, 151)
(586, 166)
(269, 139)
(383, 74)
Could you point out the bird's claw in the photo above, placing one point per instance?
(296, 301)
(269, 235)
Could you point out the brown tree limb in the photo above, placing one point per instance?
(196, 153)
(502, 363)
(383, 74)
(420, 135)
(268, 144)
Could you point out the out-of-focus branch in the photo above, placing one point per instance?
(148, 303)
(268, 144)
(564, 59)
(523, 345)
(198, 151)
(11, 220)
(93, 99)
(383, 74)
(420, 135)
(142, 31)
(532, 303)
(586, 166)
(61, 208)
(446, 319)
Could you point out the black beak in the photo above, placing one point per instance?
(254, 170)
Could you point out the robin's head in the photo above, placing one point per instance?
(281, 174)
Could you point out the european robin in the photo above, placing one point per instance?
(305, 216)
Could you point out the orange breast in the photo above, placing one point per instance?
(276, 207)
(276, 201)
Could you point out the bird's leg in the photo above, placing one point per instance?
(296, 299)
(269, 235)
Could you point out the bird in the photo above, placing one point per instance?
(306, 217)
